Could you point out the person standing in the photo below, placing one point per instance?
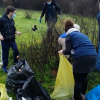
(50, 9)
(84, 57)
(7, 36)
(98, 60)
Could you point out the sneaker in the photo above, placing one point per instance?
(5, 69)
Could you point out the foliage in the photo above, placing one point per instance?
(93, 80)
(41, 54)
(2, 10)
(28, 13)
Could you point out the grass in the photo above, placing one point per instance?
(2, 77)
(24, 25)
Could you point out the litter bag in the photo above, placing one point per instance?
(17, 75)
(32, 90)
(64, 86)
(94, 94)
(3, 93)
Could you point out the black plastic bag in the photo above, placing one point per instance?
(17, 75)
(32, 90)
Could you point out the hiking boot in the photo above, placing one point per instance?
(5, 69)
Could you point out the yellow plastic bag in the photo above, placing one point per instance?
(64, 86)
(3, 93)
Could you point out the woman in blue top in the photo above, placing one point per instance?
(84, 57)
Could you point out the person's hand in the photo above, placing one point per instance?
(1, 38)
(59, 16)
(60, 52)
(18, 33)
(40, 20)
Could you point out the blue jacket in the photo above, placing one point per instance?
(80, 43)
(63, 35)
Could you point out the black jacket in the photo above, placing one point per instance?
(7, 28)
(55, 10)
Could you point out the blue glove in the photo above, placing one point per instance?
(40, 20)
(60, 16)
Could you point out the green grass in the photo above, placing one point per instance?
(24, 25)
(2, 77)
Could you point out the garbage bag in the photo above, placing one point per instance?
(3, 93)
(94, 94)
(17, 75)
(32, 90)
(64, 86)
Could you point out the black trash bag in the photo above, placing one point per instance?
(33, 90)
(19, 95)
(17, 75)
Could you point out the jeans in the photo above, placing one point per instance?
(5, 46)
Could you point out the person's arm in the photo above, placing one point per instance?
(18, 33)
(1, 37)
(99, 21)
(0, 25)
(68, 46)
(58, 8)
(44, 10)
(68, 49)
(15, 29)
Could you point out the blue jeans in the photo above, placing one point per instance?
(98, 60)
(5, 46)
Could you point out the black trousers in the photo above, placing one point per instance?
(50, 25)
(80, 84)
(5, 46)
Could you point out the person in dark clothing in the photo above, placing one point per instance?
(98, 60)
(50, 9)
(7, 36)
(84, 57)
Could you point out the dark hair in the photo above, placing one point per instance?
(10, 9)
(69, 24)
(49, 0)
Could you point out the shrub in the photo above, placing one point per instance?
(28, 13)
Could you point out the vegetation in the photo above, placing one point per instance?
(41, 54)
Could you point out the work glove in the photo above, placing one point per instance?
(40, 20)
(59, 16)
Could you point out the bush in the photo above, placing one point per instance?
(93, 80)
(28, 13)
